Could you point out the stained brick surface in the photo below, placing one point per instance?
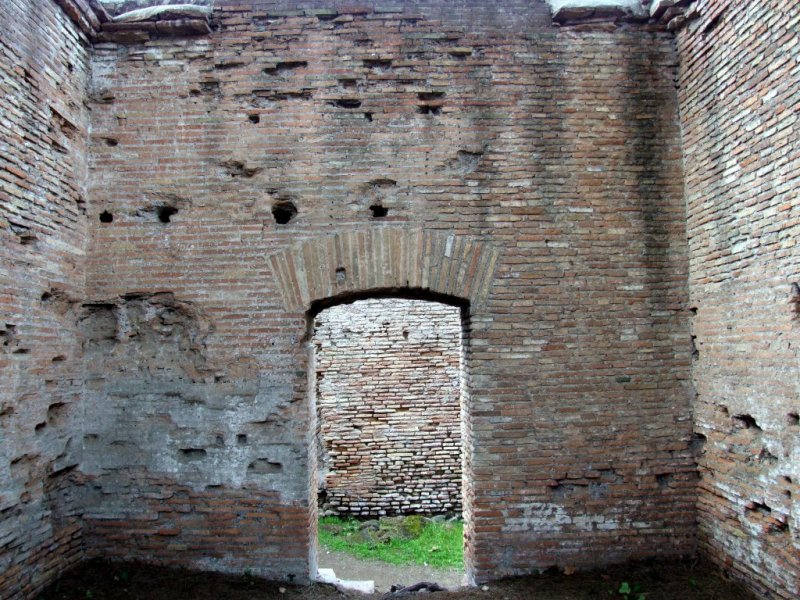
(43, 121)
(236, 180)
(739, 94)
(555, 149)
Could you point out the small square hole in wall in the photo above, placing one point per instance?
(284, 212)
(165, 213)
(379, 211)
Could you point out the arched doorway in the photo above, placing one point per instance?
(327, 270)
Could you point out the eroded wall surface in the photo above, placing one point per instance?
(388, 403)
(557, 148)
(43, 121)
(739, 93)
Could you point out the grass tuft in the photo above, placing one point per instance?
(396, 540)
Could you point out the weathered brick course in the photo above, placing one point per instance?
(44, 65)
(739, 93)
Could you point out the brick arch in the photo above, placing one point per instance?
(386, 258)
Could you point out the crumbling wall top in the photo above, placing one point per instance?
(632, 7)
(165, 12)
(137, 21)
(670, 13)
(119, 7)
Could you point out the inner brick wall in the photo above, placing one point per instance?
(739, 93)
(388, 392)
(558, 148)
(44, 65)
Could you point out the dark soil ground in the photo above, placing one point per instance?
(671, 580)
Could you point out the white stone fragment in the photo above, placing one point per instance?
(633, 7)
(172, 11)
(349, 585)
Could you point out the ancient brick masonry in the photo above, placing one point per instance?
(739, 93)
(297, 154)
(44, 65)
(290, 156)
(250, 164)
(388, 396)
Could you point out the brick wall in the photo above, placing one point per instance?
(43, 121)
(544, 162)
(531, 173)
(389, 409)
(739, 93)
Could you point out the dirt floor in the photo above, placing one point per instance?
(647, 581)
(385, 575)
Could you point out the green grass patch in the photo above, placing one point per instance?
(396, 540)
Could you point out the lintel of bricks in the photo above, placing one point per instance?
(386, 258)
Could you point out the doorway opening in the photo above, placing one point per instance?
(388, 383)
